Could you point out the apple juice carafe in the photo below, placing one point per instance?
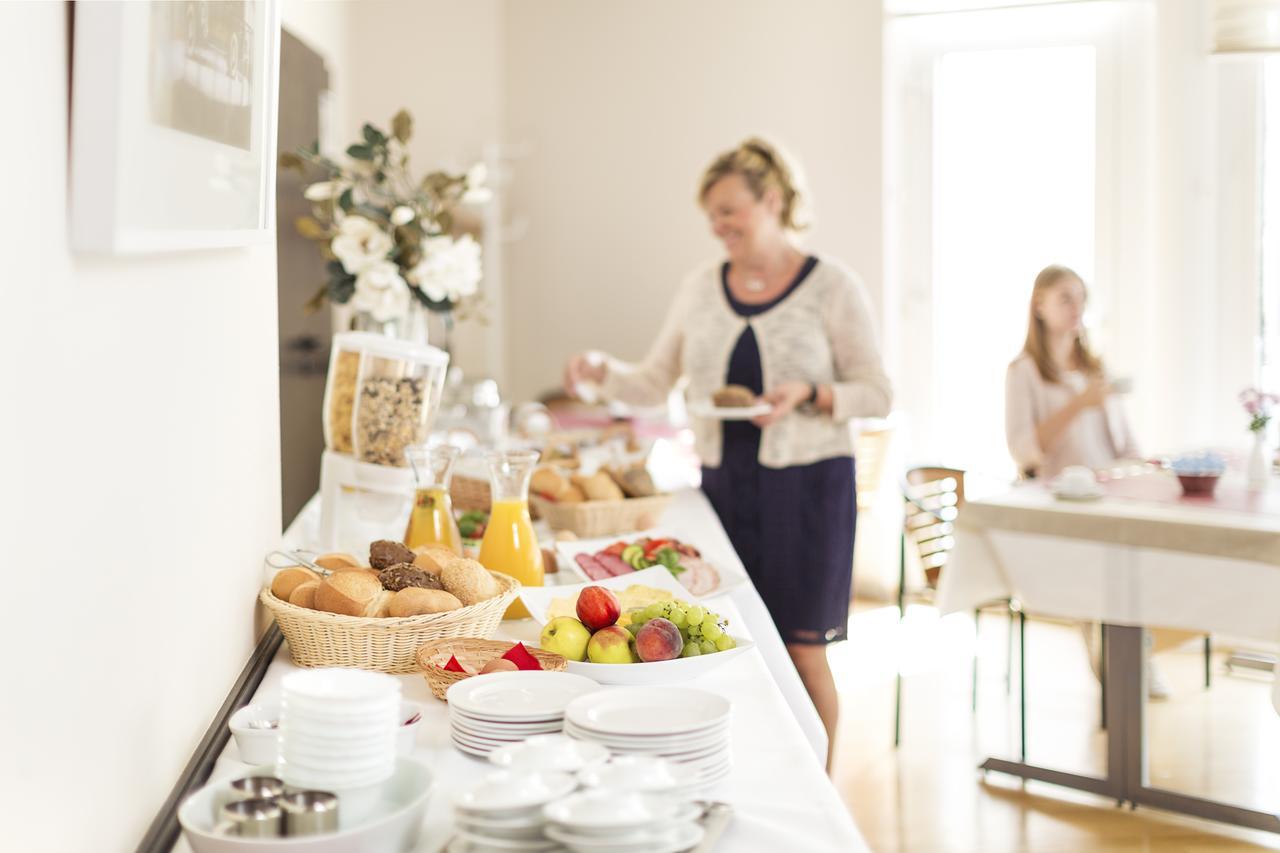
(509, 545)
(431, 522)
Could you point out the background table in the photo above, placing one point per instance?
(780, 792)
(1126, 563)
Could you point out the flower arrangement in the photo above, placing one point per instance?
(387, 238)
(1258, 404)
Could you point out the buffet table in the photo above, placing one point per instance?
(780, 793)
(1140, 555)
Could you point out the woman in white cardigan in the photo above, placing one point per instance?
(796, 330)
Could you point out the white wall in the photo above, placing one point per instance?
(140, 485)
(325, 26)
(622, 106)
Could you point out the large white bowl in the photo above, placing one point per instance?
(393, 827)
(661, 671)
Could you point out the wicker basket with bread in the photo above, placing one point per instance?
(610, 501)
(376, 615)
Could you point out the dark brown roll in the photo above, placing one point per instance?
(387, 552)
(405, 575)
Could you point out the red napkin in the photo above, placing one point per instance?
(454, 666)
(520, 656)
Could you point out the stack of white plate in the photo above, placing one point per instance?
(613, 820)
(504, 812)
(494, 710)
(338, 732)
(685, 726)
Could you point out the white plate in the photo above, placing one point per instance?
(648, 711)
(613, 811)
(504, 731)
(677, 838)
(568, 551)
(503, 845)
(550, 752)
(717, 729)
(1079, 496)
(519, 695)
(394, 825)
(708, 409)
(658, 672)
(506, 790)
(538, 598)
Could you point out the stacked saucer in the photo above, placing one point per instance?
(504, 812)
(498, 709)
(613, 820)
(685, 726)
(338, 730)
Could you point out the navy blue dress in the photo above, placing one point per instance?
(792, 527)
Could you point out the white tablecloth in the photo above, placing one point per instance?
(1119, 561)
(781, 795)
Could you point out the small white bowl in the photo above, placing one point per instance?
(407, 735)
(549, 752)
(508, 791)
(645, 773)
(610, 811)
(257, 745)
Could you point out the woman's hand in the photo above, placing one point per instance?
(783, 398)
(1094, 395)
(584, 367)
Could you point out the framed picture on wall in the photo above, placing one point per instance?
(173, 125)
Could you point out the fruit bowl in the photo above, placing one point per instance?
(658, 672)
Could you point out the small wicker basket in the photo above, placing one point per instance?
(469, 493)
(603, 518)
(317, 638)
(473, 654)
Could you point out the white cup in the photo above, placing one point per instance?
(1077, 480)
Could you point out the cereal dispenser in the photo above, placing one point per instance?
(380, 398)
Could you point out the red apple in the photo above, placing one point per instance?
(658, 639)
(598, 608)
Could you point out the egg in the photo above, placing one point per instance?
(498, 665)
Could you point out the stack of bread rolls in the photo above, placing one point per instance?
(607, 484)
(396, 582)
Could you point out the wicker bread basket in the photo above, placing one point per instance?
(317, 638)
(473, 654)
(603, 518)
(469, 493)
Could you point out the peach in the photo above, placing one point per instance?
(658, 639)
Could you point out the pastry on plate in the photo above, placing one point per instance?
(734, 397)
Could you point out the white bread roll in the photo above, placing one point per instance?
(348, 593)
(432, 558)
(469, 581)
(336, 562)
(415, 601)
(287, 580)
(304, 594)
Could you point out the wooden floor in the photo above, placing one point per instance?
(928, 796)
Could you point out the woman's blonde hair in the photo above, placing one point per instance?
(763, 166)
(1037, 346)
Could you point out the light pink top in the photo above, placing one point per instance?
(1096, 437)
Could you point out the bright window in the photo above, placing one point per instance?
(1014, 158)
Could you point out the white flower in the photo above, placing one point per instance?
(402, 215)
(323, 190)
(360, 243)
(449, 269)
(381, 291)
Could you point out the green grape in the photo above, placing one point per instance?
(713, 631)
(633, 628)
(694, 615)
(725, 643)
(653, 611)
(678, 617)
(708, 647)
(691, 650)
(694, 631)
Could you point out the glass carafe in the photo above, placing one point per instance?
(432, 522)
(509, 545)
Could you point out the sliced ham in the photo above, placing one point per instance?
(698, 577)
(614, 564)
(592, 567)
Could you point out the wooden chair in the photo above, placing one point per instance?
(933, 498)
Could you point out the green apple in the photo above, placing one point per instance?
(611, 645)
(565, 636)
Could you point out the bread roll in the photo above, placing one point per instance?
(432, 558)
(380, 605)
(546, 482)
(348, 593)
(337, 562)
(415, 601)
(388, 552)
(287, 580)
(734, 397)
(599, 487)
(572, 495)
(304, 595)
(469, 581)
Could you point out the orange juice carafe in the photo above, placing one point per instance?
(509, 545)
(432, 522)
